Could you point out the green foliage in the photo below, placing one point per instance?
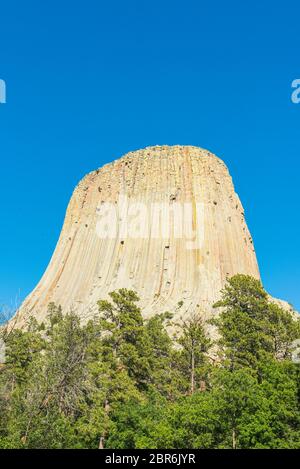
(121, 381)
(251, 327)
(192, 358)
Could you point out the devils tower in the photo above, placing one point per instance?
(174, 262)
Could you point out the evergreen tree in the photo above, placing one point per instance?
(121, 381)
(251, 327)
(193, 354)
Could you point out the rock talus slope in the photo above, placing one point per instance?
(165, 267)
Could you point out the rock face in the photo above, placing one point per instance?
(164, 221)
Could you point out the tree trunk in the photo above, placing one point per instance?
(192, 372)
(234, 445)
(101, 442)
(103, 436)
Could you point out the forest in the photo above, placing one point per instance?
(122, 381)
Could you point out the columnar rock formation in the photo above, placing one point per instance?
(108, 241)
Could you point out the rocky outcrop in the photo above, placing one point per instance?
(164, 221)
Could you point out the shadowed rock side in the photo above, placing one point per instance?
(164, 270)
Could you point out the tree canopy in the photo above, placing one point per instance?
(122, 381)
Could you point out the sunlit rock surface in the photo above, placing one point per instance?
(181, 274)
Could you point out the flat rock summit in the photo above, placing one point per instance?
(164, 221)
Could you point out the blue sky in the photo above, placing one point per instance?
(89, 81)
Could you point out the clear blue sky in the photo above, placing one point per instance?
(89, 81)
